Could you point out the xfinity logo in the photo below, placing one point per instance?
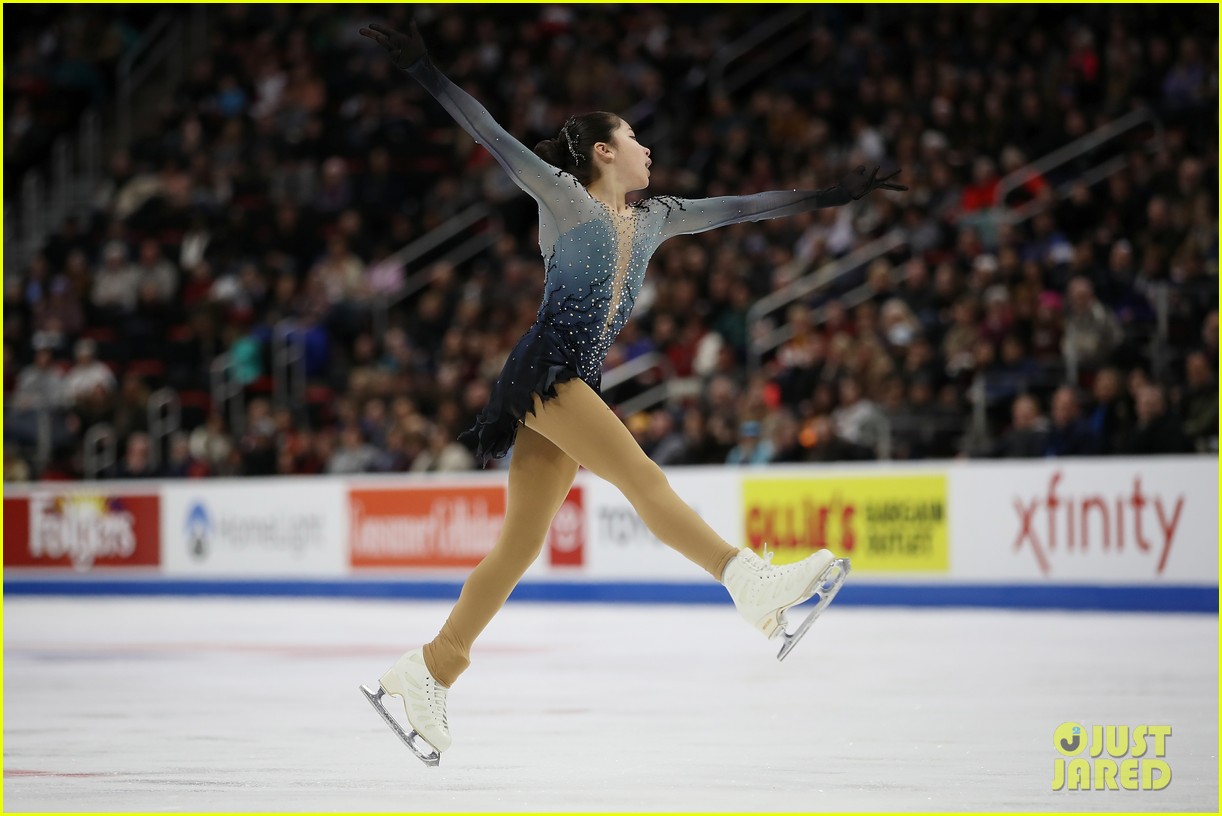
(1142, 523)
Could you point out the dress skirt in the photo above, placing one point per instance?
(539, 362)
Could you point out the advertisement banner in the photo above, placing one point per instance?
(452, 525)
(566, 539)
(1115, 521)
(81, 530)
(449, 526)
(262, 527)
(622, 547)
(883, 523)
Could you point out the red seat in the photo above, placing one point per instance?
(147, 368)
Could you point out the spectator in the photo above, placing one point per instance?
(180, 463)
(131, 407)
(750, 450)
(443, 454)
(786, 447)
(1092, 332)
(354, 455)
(209, 443)
(89, 385)
(664, 443)
(257, 444)
(40, 385)
(1112, 416)
(958, 346)
(1199, 406)
(1068, 434)
(154, 268)
(858, 420)
(115, 286)
(61, 312)
(395, 457)
(1028, 432)
(828, 446)
(137, 463)
(1156, 431)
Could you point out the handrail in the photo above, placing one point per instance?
(126, 86)
(1013, 180)
(805, 285)
(436, 237)
(442, 233)
(227, 389)
(744, 44)
(59, 188)
(635, 367)
(164, 418)
(99, 449)
(288, 364)
(646, 399)
(849, 299)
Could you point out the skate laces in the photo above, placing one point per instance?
(438, 705)
(755, 562)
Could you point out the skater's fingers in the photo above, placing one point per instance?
(897, 187)
(889, 177)
(383, 29)
(376, 37)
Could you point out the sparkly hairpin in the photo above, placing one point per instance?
(572, 150)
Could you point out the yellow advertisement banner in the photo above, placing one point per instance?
(882, 523)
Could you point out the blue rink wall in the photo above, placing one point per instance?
(1001, 596)
(1103, 534)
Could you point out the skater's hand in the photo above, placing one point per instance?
(404, 49)
(858, 185)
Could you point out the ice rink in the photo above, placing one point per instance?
(238, 704)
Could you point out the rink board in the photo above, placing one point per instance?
(1123, 534)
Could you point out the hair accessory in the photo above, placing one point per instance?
(577, 157)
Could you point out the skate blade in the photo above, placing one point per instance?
(828, 584)
(432, 758)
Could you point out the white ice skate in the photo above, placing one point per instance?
(763, 592)
(424, 700)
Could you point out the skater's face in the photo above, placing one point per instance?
(630, 158)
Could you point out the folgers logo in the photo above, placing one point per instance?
(81, 531)
(882, 523)
(1063, 521)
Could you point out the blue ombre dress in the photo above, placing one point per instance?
(595, 263)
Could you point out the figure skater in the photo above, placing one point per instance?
(595, 248)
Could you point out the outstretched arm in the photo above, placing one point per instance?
(528, 171)
(702, 214)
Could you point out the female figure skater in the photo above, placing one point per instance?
(595, 247)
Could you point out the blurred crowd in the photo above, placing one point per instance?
(56, 65)
(269, 194)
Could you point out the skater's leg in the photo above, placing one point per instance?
(540, 476)
(579, 423)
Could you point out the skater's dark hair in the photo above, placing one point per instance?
(573, 148)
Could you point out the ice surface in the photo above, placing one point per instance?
(238, 704)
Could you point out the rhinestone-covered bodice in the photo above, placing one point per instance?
(596, 257)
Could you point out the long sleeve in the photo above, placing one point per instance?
(700, 214)
(528, 171)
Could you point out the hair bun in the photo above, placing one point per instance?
(551, 152)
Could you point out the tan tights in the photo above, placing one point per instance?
(576, 427)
